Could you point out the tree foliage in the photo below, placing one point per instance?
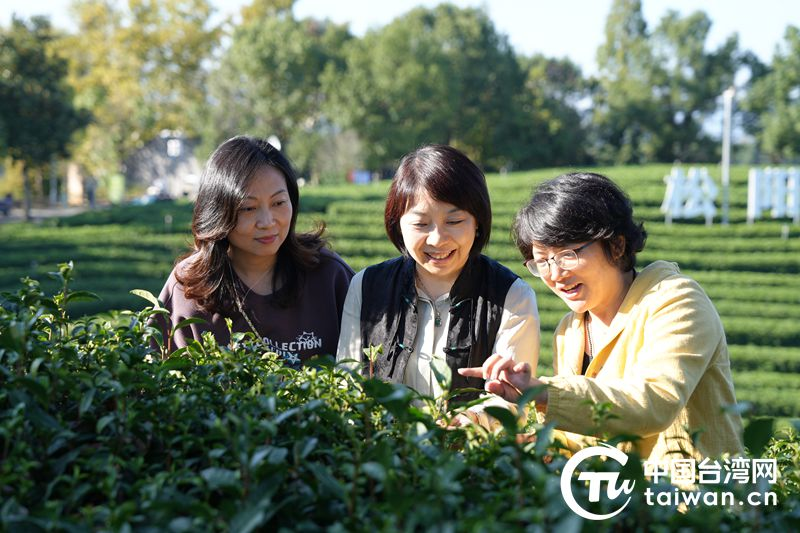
(689, 83)
(624, 107)
(433, 75)
(140, 69)
(775, 101)
(656, 88)
(550, 128)
(268, 82)
(443, 74)
(37, 115)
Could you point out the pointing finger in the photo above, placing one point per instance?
(472, 372)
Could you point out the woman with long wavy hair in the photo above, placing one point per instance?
(249, 265)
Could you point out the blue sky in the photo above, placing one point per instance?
(563, 28)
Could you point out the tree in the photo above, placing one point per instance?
(37, 115)
(775, 102)
(687, 84)
(625, 109)
(268, 81)
(656, 89)
(140, 70)
(433, 75)
(551, 127)
(747, 115)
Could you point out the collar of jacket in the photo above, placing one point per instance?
(462, 288)
(644, 281)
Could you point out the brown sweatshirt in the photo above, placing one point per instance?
(310, 326)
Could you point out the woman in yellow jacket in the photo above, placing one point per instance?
(650, 342)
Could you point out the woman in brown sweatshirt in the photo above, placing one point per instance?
(250, 266)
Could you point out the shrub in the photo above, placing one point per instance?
(101, 431)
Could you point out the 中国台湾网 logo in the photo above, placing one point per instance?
(754, 474)
(596, 481)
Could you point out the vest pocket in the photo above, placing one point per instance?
(458, 356)
(461, 335)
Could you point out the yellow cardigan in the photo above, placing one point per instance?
(664, 367)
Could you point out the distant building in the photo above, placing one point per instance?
(166, 166)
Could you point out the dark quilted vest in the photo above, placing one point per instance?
(389, 315)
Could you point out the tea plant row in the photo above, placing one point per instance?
(101, 432)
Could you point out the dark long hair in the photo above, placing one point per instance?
(447, 175)
(577, 207)
(208, 277)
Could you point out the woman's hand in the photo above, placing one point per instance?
(503, 376)
(465, 418)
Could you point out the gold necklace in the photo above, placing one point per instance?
(240, 307)
(247, 318)
(589, 334)
(258, 281)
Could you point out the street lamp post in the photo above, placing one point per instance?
(727, 111)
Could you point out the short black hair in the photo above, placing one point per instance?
(447, 175)
(578, 207)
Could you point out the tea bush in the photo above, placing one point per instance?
(100, 430)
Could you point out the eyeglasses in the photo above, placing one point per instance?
(566, 260)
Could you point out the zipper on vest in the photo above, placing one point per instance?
(453, 306)
(410, 302)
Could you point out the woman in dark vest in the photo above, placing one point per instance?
(441, 299)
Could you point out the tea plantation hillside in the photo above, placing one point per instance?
(750, 271)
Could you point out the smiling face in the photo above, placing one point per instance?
(595, 284)
(263, 220)
(439, 236)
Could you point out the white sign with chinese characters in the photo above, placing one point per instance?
(773, 189)
(689, 195)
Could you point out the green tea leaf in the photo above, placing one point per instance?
(308, 446)
(82, 296)
(86, 401)
(42, 419)
(374, 470)
(187, 322)
(258, 456)
(505, 417)
(180, 524)
(220, 477)
(35, 387)
(103, 422)
(147, 295)
(442, 371)
(177, 363)
(35, 366)
(277, 455)
(529, 395)
(757, 434)
(248, 519)
(330, 485)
